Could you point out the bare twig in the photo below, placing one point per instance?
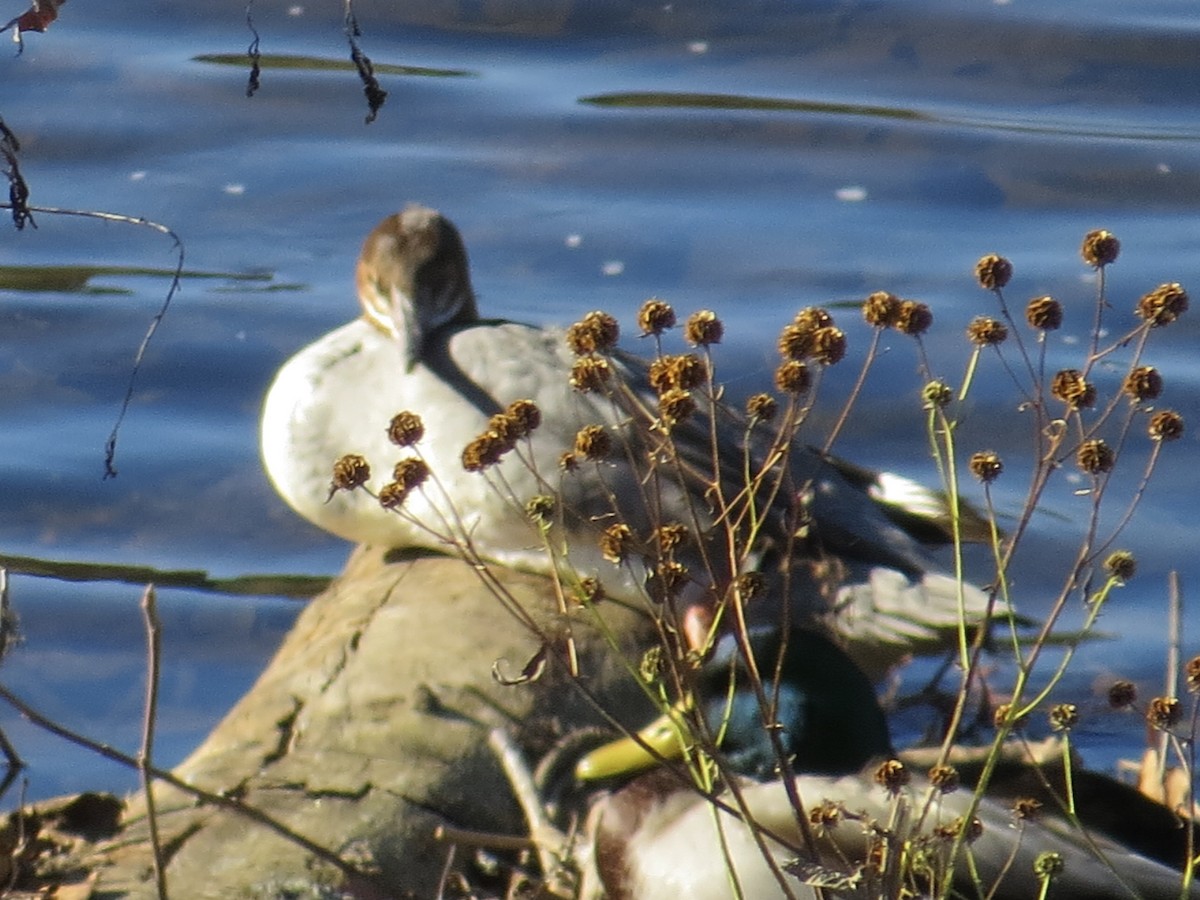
(220, 800)
(252, 82)
(18, 190)
(145, 757)
(110, 446)
(366, 71)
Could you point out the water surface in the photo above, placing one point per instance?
(749, 157)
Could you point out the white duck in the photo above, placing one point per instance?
(420, 346)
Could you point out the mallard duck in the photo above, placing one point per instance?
(420, 346)
(660, 837)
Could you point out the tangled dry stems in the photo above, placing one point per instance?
(1078, 419)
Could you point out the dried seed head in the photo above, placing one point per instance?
(826, 814)
(828, 345)
(405, 429)
(506, 429)
(1048, 865)
(1027, 808)
(971, 831)
(411, 472)
(1064, 716)
(350, 472)
(540, 508)
(1120, 565)
(1191, 674)
(568, 462)
(593, 442)
(985, 331)
(1100, 248)
(392, 495)
(1070, 387)
(1143, 383)
(671, 536)
(944, 778)
(615, 542)
(590, 373)
(986, 466)
(892, 775)
(1002, 715)
(937, 395)
(651, 666)
(688, 371)
(813, 317)
(483, 452)
(1164, 713)
(792, 377)
(659, 374)
(1164, 304)
(703, 328)
(526, 414)
(591, 590)
(881, 309)
(655, 316)
(1044, 313)
(675, 406)
(993, 272)
(761, 408)
(750, 585)
(669, 578)
(1166, 425)
(684, 372)
(597, 332)
(1095, 457)
(795, 342)
(1122, 694)
(913, 318)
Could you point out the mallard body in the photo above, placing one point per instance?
(685, 848)
(659, 837)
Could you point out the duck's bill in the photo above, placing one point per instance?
(660, 741)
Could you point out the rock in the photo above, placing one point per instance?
(368, 730)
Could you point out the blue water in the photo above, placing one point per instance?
(922, 135)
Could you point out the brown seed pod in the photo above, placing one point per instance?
(1070, 387)
(656, 316)
(597, 332)
(985, 331)
(881, 309)
(986, 466)
(993, 272)
(1044, 313)
(1100, 248)
(411, 472)
(1142, 383)
(892, 775)
(1163, 305)
(1165, 426)
(350, 472)
(828, 345)
(761, 407)
(913, 318)
(593, 442)
(1095, 457)
(483, 452)
(615, 542)
(792, 377)
(405, 429)
(703, 328)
